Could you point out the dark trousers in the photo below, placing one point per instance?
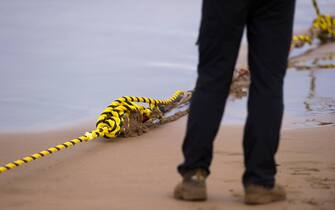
(269, 31)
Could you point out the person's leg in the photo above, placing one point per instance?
(220, 35)
(269, 36)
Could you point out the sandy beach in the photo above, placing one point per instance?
(140, 172)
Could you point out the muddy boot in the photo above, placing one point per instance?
(193, 187)
(256, 194)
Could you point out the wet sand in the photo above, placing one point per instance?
(140, 172)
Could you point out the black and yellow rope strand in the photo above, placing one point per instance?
(326, 24)
(316, 7)
(108, 125)
(323, 23)
(304, 38)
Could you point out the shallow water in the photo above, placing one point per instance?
(309, 100)
(64, 61)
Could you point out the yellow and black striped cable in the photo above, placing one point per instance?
(324, 23)
(108, 125)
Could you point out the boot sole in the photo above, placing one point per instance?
(195, 195)
(262, 199)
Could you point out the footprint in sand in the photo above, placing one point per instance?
(220, 152)
(303, 170)
(311, 201)
(235, 194)
(331, 167)
(319, 182)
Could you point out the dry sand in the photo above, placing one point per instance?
(140, 172)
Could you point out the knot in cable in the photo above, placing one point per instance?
(111, 120)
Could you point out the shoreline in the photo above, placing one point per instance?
(288, 123)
